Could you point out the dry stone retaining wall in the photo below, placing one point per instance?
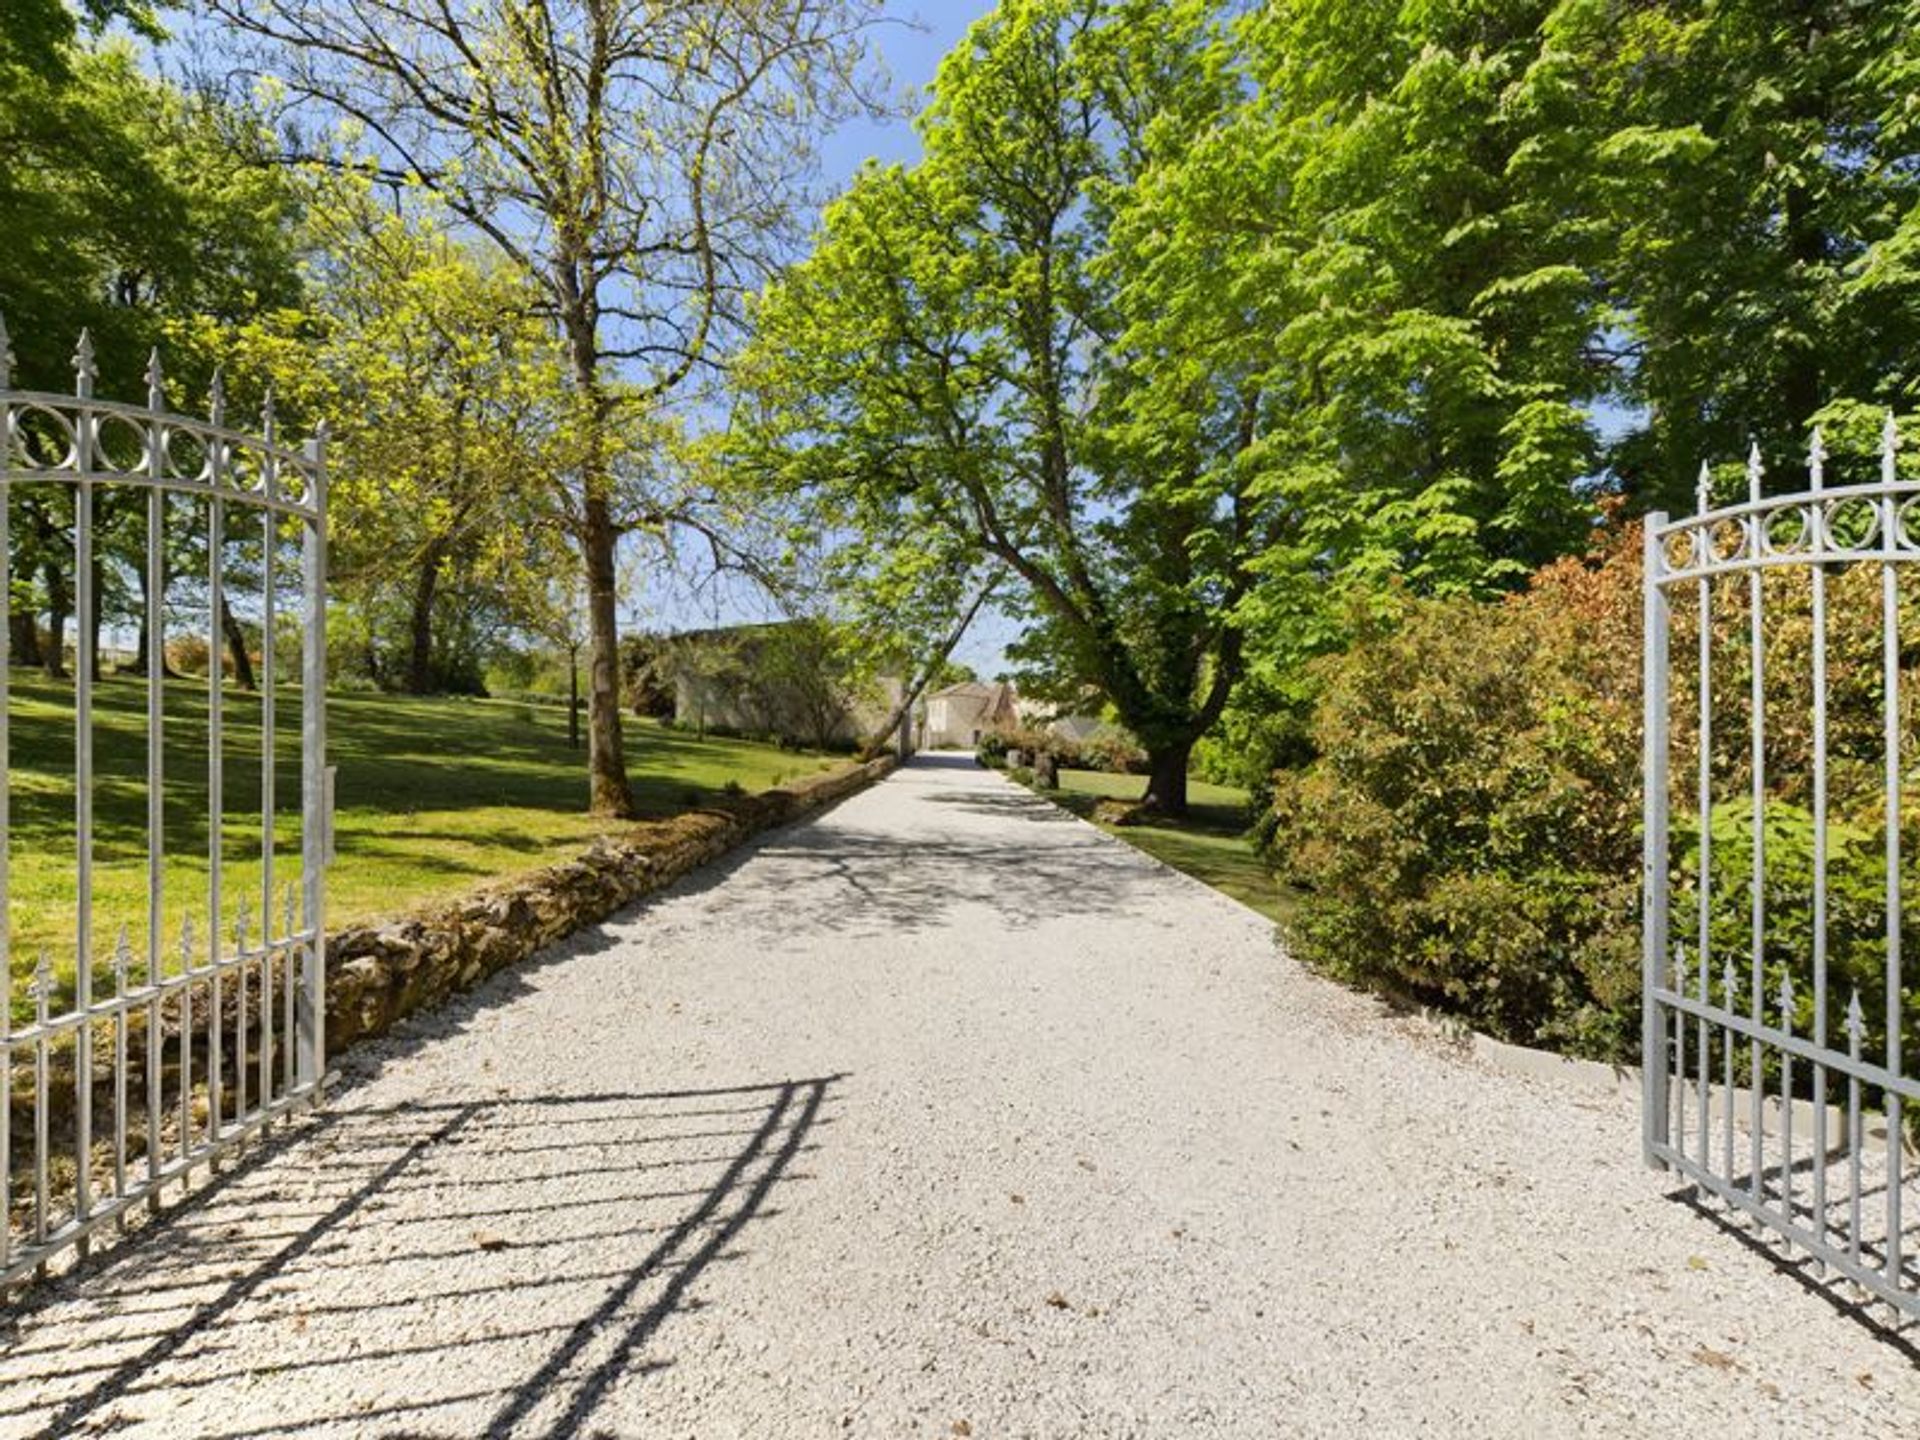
(376, 974)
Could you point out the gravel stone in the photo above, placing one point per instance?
(944, 1114)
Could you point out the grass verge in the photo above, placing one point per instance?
(434, 797)
(1210, 844)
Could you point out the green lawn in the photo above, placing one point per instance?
(1209, 844)
(434, 797)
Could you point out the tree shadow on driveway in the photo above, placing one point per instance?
(499, 1266)
(846, 880)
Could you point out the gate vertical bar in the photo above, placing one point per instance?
(1816, 539)
(1653, 905)
(1890, 654)
(315, 817)
(86, 443)
(1756, 994)
(156, 659)
(1703, 940)
(6, 802)
(216, 751)
(269, 535)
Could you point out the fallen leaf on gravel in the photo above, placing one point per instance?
(1865, 1377)
(1057, 1300)
(1017, 1198)
(1695, 1262)
(961, 1427)
(1714, 1359)
(489, 1239)
(1086, 1164)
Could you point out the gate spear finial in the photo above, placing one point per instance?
(156, 382)
(1817, 461)
(1889, 446)
(1756, 468)
(1703, 490)
(6, 355)
(84, 370)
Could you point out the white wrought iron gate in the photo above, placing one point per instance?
(136, 1047)
(1778, 1069)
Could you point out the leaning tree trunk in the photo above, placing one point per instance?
(608, 793)
(1167, 780)
(884, 736)
(150, 612)
(237, 648)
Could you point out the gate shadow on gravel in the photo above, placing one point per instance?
(495, 1267)
(1899, 1333)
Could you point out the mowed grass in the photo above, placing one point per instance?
(1210, 844)
(434, 796)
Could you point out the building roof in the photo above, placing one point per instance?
(968, 690)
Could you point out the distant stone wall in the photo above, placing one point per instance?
(376, 974)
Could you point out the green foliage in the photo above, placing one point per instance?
(1468, 834)
(949, 369)
(1751, 169)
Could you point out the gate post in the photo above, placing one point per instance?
(1653, 893)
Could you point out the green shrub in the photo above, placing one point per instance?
(1467, 835)
(1021, 775)
(1116, 753)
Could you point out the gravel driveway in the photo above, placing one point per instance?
(943, 1115)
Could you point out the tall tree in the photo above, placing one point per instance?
(1755, 166)
(639, 163)
(954, 358)
(1368, 258)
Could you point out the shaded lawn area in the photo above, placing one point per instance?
(1210, 844)
(434, 797)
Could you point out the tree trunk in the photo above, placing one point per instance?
(420, 624)
(23, 639)
(149, 612)
(1167, 780)
(91, 627)
(53, 659)
(608, 794)
(573, 697)
(236, 648)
